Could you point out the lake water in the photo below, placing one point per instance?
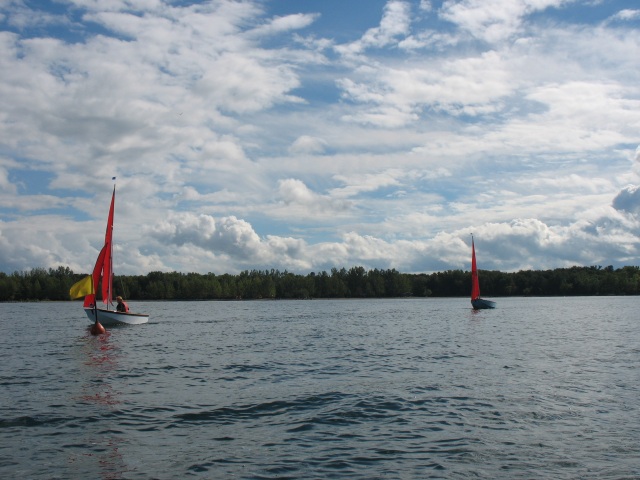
(366, 389)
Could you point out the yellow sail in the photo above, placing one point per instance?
(82, 288)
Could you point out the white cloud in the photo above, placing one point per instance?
(425, 5)
(358, 183)
(230, 241)
(469, 86)
(628, 199)
(395, 23)
(625, 15)
(284, 24)
(303, 201)
(6, 186)
(493, 20)
(247, 84)
(308, 144)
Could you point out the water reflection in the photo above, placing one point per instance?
(101, 360)
(99, 369)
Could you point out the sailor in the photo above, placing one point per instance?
(122, 306)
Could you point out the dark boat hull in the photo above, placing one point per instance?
(481, 303)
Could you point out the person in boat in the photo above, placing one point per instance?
(122, 305)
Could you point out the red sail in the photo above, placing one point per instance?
(475, 285)
(97, 273)
(107, 271)
(103, 268)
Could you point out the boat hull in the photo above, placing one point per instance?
(110, 318)
(481, 304)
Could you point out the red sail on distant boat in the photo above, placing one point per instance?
(103, 270)
(476, 302)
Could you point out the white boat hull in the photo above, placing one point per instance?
(109, 318)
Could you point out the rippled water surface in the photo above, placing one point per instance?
(410, 388)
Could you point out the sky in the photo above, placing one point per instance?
(306, 135)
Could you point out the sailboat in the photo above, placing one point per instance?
(103, 270)
(476, 302)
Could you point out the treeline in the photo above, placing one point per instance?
(53, 284)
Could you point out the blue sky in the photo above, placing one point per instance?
(306, 135)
